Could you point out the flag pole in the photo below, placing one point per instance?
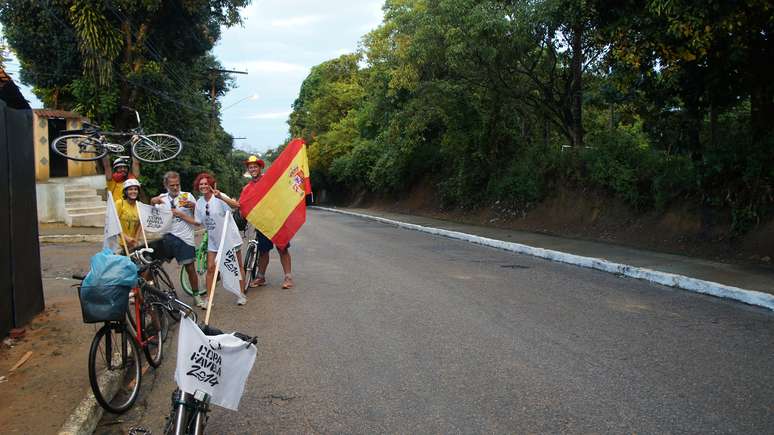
(115, 213)
(142, 227)
(217, 268)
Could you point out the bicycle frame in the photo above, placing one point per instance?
(135, 329)
(198, 404)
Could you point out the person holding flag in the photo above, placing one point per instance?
(254, 168)
(178, 241)
(275, 203)
(213, 210)
(126, 209)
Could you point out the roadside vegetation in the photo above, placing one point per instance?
(655, 103)
(94, 56)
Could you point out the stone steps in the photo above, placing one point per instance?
(85, 219)
(83, 206)
(82, 201)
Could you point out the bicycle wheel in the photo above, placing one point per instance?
(185, 283)
(154, 327)
(79, 147)
(164, 283)
(251, 262)
(114, 368)
(155, 148)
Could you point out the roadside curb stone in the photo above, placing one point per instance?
(750, 297)
(85, 417)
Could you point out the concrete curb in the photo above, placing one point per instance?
(751, 297)
(85, 418)
(72, 238)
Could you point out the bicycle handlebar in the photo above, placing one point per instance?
(211, 330)
(139, 255)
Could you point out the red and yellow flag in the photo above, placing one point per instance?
(276, 204)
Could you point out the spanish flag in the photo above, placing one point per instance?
(276, 204)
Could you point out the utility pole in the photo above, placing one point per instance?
(213, 74)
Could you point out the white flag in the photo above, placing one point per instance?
(154, 219)
(112, 225)
(217, 365)
(229, 266)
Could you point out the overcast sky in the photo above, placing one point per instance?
(277, 46)
(279, 43)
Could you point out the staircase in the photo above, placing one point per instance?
(83, 206)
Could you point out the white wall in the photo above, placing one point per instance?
(51, 202)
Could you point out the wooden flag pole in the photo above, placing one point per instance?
(142, 227)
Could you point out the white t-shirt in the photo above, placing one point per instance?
(212, 223)
(180, 228)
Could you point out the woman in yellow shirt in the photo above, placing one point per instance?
(126, 207)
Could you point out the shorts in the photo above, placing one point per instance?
(171, 246)
(264, 244)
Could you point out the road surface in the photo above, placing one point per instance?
(390, 330)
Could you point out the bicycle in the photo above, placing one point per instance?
(91, 143)
(188, 415)
(114, 355)
(200, 263)
(161, 280)
(251, 261)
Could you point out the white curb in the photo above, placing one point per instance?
(751, 297)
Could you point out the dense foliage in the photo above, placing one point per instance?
(96, 56)
(506, 101)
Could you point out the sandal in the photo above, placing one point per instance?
(288, 283)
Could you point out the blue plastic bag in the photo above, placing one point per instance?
(108, 269)
(104, 293)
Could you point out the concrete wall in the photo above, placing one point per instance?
(40, 144)
(51, 202)
(91, 181)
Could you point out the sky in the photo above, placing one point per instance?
(277, 45)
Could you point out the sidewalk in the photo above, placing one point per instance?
(746, 277)
(42, 393)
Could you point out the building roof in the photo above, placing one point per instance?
(10, 93)
(54, 113)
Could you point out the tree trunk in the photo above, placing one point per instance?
(577, 84)
(762, 110)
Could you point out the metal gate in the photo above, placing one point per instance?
(21, 289)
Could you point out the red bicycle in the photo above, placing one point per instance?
(115, 366)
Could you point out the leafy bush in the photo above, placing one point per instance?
(619, 160)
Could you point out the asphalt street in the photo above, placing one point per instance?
(391, 330)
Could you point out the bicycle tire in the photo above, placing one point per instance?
(250, 264)
(152, 332)
(157, 148)
(89, 148)
(127, 371)
(164, 283)
(201, 268)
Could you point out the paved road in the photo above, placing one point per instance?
(397, 331)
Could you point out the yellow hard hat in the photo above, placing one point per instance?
(254, 160)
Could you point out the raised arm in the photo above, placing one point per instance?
(108, 168)
(231, 202)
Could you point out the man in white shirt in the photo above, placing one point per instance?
(179, 241)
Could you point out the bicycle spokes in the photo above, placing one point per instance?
(156, 147)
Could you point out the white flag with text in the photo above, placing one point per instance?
(112, 225)
(217, 364)
(229, 266)
(154, 219)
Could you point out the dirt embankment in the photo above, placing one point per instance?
(681, 229)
